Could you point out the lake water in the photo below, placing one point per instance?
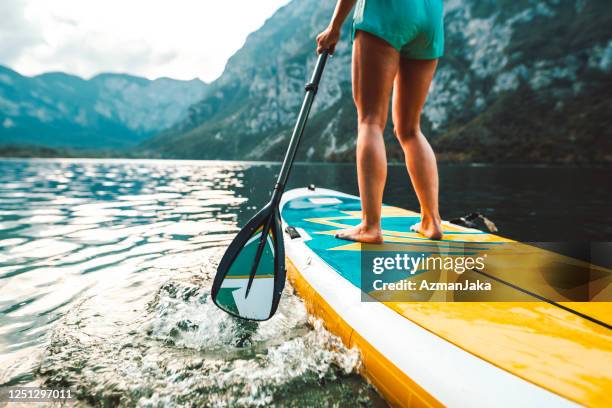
(106, 268)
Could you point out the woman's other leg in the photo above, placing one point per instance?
(375, 65)
(409, 95)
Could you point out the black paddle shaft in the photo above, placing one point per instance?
(298, 130)
(311, 90)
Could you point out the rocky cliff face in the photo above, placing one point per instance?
(521, 81)
(107, 111)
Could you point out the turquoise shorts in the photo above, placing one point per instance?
(413, 27)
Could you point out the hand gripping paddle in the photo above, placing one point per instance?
(251, 275)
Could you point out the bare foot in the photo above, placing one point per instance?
(429, 228)
(361, 233)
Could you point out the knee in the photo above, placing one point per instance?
(375, 122)
(406, 134)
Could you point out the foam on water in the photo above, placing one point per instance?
(177, 348)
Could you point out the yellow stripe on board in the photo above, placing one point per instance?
(406, 236)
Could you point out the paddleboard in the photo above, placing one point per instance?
(538, 347)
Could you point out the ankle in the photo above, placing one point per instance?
(371, 226)
(431, 219)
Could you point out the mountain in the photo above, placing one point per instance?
(106, 111)
(521, 81)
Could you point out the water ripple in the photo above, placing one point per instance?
(105, 274)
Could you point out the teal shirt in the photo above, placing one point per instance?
(413, 27)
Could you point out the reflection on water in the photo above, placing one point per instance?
(105, 272)
(106, 268)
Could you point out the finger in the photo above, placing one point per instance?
(319, 45)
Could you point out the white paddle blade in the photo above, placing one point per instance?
(232, 295)
(231, 290)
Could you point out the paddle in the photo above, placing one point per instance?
(251, 275)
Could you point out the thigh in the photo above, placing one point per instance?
(410, 92)
(375, 64)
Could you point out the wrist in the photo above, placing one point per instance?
(334, 28)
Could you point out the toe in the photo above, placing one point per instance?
(345, 236)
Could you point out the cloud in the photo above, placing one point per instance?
(16, 32)
(175, 38)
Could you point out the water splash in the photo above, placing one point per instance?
(179, 349)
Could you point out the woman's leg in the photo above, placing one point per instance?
(409, 95)
(375, 65)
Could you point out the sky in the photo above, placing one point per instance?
(181, 39)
